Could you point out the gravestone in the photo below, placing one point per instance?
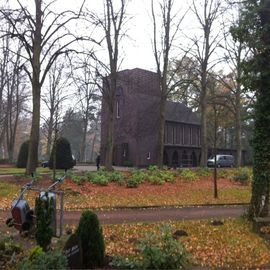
(72, 251)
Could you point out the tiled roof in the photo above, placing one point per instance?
(178, 112)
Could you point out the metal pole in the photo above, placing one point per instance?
(61, 213)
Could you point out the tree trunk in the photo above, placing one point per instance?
(110, 143)
(32, 161)
(83, 146)
(92, 149)
(161, 133)
(204, 148)
(238, 129)
(49, 137)
(259, 205)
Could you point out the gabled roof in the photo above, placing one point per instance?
(178, 112)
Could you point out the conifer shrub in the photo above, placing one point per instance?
(61, 152)
(90, 234)
(23, 155)
(44, 210)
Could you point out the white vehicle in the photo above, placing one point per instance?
(222, 161)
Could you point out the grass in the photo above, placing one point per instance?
(113, 195)
(7, 190)
(14, 170)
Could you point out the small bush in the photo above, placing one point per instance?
(132, 183)
(8, 248)
(100, 179)
(162, 251)
(223, 173)
(155, 179)
(23, 155)
(117, 177)
(157, 251)
(242, 175)
(203, 171)
(90, 234)
(136, 178)
(153, 168)
(78, 179)
(38, 259)
(168, 176)
(188, 175)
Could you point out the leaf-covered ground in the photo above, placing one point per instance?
(232, 245)
(88, 195)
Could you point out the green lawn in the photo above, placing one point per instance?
(14, 170)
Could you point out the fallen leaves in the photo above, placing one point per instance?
(93, 196)
(231, 245)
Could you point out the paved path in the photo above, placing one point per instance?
(159, 214)
(127, 215)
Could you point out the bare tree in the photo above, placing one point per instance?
(53, 98)
(12, 94)
(15, 99)
(166, 33)
(234, 53)
(40, 35)
(111, 24)
(204, 48)
(88, 98)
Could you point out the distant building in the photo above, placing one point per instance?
(137, 124)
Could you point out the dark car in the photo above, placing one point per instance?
(45, 163)
(222, 161)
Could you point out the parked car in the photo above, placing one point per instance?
(45, 163)
(222, 161)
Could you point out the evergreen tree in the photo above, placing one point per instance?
(254, 31)
(23, 155)
(61, 155)
(90, 234)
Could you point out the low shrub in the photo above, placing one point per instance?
(78, 179)
(132, 183)
(203, 171)
(38, 259)
(188, 175)
(100, 179)
(157, 251)
(242, 175)
(138, 176)
(223, 173)
(8, 249)
(155, 179)
(162, 251)
(152, 168)
(158, 177)
(168, 176)
(117, 177)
